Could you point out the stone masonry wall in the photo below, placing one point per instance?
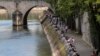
(57, 46)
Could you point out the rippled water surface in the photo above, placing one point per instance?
(23, 43)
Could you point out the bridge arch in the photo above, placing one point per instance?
(4, 13)
(27, 13)
(1, 7)
(10, 6)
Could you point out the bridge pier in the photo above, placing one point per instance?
(17, 18)
(17, 21)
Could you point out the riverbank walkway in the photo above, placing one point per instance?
(81, 46)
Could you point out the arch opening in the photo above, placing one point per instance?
(3, 13)
(34, 12)
(26, 15)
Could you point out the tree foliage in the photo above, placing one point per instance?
(67, 8)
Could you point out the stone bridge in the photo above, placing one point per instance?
(23, 6)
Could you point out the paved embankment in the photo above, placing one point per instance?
(57, 46)
(81, 46)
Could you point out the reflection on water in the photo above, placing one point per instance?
(18, 28)
(23, 43)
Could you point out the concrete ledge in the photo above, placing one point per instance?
(57, 46)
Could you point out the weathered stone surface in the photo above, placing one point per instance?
(57, 46)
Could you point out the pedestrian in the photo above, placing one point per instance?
(66, 28)
(75, 54)
(71, 40)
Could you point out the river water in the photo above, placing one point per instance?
(23, 43)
